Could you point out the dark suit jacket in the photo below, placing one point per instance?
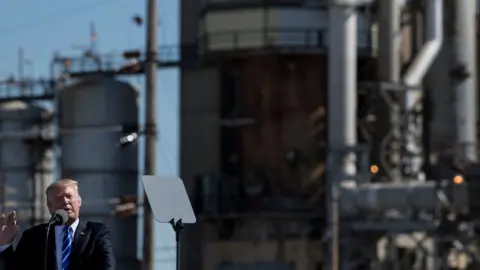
(91, 250)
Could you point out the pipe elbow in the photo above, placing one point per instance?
(423, 62)
(429, 51)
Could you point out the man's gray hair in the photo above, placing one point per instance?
(63, 183)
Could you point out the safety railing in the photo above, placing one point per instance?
(27, 90)
(282, 39)
(231, 4)
(233, 42)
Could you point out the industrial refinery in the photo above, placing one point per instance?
(336, 135)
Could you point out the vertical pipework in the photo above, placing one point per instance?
(21, 63)
(389, 71)
(466, 83)
(342, 110)
(93, 39)
(389, 41)
(413, 78)
(434, 38)
(342, 83)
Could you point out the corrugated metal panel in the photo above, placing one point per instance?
(91, 114)
(256, 266)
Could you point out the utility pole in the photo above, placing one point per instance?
(3, 193)
(151, 130)
(93, 39)
(21, 63)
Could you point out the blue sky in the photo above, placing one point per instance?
(44, 27)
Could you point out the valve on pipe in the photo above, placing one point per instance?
(377, 198)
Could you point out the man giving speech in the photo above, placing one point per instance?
(72, 244)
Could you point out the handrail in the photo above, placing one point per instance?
(285, 39)
(230, 4)
(299, 40)
(31, 89)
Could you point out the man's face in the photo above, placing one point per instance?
(66, 198)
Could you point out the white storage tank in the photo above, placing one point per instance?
(92, 113)
(22, 155)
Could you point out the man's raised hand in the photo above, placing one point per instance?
(8, 228)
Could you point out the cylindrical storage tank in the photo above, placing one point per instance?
(43, 178)
(92, 113)
(21, 155)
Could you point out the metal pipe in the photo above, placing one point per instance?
(441, 124)
(151, 130)
(342, 110)
(21, 63)
(406, 196)
(389, 71)
(389, 41)
(378, 197)
(342, 85)
(412, 79)
(465, 88)
(434, 38)
(427, 54)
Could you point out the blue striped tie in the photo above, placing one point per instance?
(66, 247)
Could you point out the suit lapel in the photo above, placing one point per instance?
(82, 234)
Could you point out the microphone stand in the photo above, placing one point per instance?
(45, 252)
(53, 221)
(177, 227)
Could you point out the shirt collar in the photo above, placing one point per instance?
(73, 226)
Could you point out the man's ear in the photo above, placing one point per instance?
(79, 200)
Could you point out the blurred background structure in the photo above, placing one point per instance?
(313, 134)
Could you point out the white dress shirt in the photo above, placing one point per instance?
(58, 242)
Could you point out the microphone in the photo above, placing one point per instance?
(60, 217)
